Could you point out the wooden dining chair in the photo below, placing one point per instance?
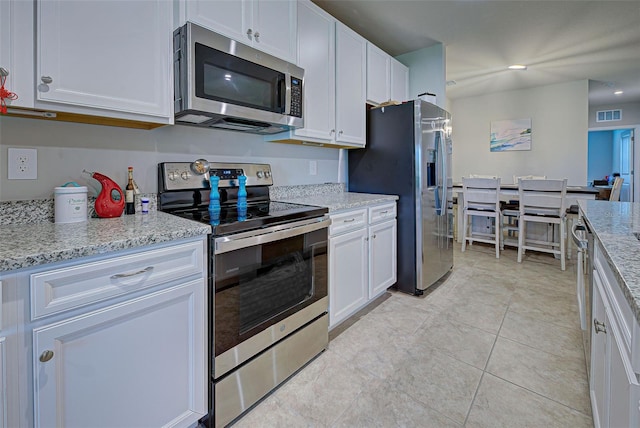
(542, 201)
(482, 199)
(615, 189)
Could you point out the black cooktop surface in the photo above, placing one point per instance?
(232, 219)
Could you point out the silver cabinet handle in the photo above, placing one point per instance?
(333, 131)
(374, 236)
(340, 133)
(599, 326)
(384, 212)
(249, 33)
(257, 36)
(4, 72)
(46, 80)
(127, 275)
(349, 220)
(46, 356)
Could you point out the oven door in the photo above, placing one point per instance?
(267, 286)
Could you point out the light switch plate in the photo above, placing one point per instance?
(22, 164)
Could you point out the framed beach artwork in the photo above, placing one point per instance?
(508, 135)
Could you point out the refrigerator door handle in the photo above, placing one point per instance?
(443, 193)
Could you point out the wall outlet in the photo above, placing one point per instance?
(22, 164)
(313, 167)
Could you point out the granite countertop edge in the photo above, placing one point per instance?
(612, 223)
(32, 245)
(342, 201)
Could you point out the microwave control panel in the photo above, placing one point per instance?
(296, 97)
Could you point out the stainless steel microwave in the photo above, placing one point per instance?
(221, 83)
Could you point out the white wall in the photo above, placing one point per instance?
(426, 72)
(559, 123)
(630, 115)
(65, 149)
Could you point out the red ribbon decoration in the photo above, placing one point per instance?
(5, 95)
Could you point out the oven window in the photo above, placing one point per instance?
(259, 286)
(226, 78)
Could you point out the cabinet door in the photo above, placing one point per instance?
(624, 390)
(351, 51)
(112, 55)
(275, 28)
(16, 40)
(316, 54)
(139, 363)
(378, 71)
(382, 257)
(231, 18)
(399, 81)
(348, 289)
(599, 356)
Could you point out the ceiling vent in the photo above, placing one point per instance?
(608, 115)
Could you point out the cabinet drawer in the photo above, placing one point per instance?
(70, 287)
(382, 212)
(349, 220)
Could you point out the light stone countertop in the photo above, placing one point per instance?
(341, 200)
(613, 224)
(28, 245)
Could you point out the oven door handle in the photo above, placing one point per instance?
(230, 243)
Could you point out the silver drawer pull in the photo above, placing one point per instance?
(127, 275)
(384, 212)
(349, 221)
(599, 326)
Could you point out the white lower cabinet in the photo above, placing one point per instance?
(132, 364)
(362, 258)
(614, 384)
(117, 340)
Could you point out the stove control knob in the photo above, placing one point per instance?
(259, 174)
(185, 175)
(267, 174)
(172, 175)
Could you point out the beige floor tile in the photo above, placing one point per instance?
(384, 406)
(557, 340)
(324, 389)
(548, 305)
(561, 379)
(271, 413)
(500, 404)
(437, 380)
(373, 347)
(456, 339)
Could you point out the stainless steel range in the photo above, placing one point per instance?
(267, 278)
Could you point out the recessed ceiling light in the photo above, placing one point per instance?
(618, 93)
(517, 67)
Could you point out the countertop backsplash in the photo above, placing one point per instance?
(42, 210)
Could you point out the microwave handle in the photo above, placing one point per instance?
(287, 93)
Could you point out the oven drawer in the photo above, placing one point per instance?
(81, 284)
(346, 221)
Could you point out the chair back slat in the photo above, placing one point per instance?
(543, 197)
(481, 193)
(615, 189)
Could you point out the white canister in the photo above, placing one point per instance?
(70, 201)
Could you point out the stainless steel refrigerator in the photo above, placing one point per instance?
(408, 153)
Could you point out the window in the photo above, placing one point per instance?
(609, 115)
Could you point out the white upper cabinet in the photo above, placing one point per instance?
(387, 78)
(114, 56)
(268, 25)
(316, 55)
(351, 73)
(378, 75)
(399, 81)
(16, 41)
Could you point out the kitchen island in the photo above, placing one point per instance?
(615, 312)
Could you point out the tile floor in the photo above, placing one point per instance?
(497, 344)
